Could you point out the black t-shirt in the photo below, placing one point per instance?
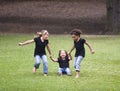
(40, 46)
(79, 45)
(63, 63)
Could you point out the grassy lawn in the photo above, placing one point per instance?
(99, 72)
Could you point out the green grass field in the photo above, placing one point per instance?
(99, 72)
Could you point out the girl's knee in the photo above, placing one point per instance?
(68, 71)
(59, 71)
(37, 65)
(45, 63)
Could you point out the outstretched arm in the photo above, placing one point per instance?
(54, 60)
(26, 42)
(71, 49)
(70, 57)
(91, 49)
(49, 50)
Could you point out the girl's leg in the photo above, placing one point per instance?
(45, 65)
(67, 70)
(78, 62)
(75, 60)
(60, 70)
(77, 74)
(37, 63)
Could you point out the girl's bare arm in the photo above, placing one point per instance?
(70, 57)
(54, 60)
(71, 49)
(89, 46)
(26, 42)
(49, 50)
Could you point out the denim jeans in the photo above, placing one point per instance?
(44, 60)
(77, 62)
(64, 70)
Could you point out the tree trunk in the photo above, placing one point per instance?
(113, 16)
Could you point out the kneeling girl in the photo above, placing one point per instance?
(63, 61)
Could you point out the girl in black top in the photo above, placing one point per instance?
(80, 50)
(41, 42)
(63, 61)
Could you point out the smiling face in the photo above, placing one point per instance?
(62, 54)
(75, 37)
(45, 35)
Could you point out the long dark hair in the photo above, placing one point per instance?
(59, 57)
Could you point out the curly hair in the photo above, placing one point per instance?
(76, 32)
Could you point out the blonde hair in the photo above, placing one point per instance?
(44, 32)
(39, 34)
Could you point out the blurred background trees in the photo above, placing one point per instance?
(113, 16)
(60, 16)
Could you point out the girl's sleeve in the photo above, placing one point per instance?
(35, 39)
(84, 40)
(58, 60)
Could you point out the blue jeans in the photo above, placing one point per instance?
(45, 63)
(64, 70)
(77, 62)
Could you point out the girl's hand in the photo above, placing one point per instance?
(20, 44)
(50, 56)
(92, 51)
